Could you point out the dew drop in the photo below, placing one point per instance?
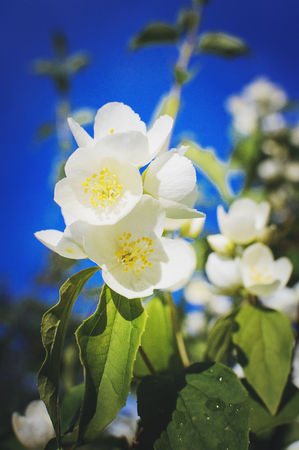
(220, 379)
(207, 417)
(215, 404)
(230, 404)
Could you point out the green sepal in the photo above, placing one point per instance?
(264, 344)
(53, 331)
(181, 76)
(108, 343)
(222, 44)
(155, 33)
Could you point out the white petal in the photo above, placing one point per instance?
(224, 273)
(49, 238)
(157, 136)
(170, 176)
(130, 145)
(181, 265)
(282, 269)
(262, 215)
(257, 254)
(81, 136)
(220, 243)
(263, 289)
(176, 210)
(117, 117)
(67, 244)
(240, 227)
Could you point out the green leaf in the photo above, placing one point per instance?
(181, 76)
(158, 340)
(108, 343)
(155, 33)
(207, 403)
(207, 162)
(246, 155)
(260, 418)
(70, 406)
(53, 331)
(264, 342)
(219, 343)
(188, 20)
(222, 44)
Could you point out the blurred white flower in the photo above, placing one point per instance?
(245, 221)
(35, 428)
(262, 275)
(134, 258)
(245, 118)
(267, 96)
(198, 291)
(219, 305)
(270, 169)
(194, 323)
(119, 122)
(237, 368)
(224, 273)
(292, 171)
(293, 446)
(285, 300)
(221, 244)
(189, 228)
(273, 122)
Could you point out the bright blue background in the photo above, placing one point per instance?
(139, 79)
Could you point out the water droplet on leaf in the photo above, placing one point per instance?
(215, 404)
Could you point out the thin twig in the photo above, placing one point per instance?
(147, 361)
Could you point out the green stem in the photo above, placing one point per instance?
(147, 361)
(177, 332)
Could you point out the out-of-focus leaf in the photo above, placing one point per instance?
(158, 340)
(264, 342)
(181, 76)
(77, 62)
(187, 20)
(155, 33)
(108, 343)
(53, 331)
(45, 130)
(70, 406)
(260, 418)
(207, 162)
(222, 44)
(219, 341)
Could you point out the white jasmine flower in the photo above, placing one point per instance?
(262, 275)
(189, 228)
(219, 305)
(35, 428)
(273, 122)
(285, 300)
(171, 179)
(292, 171)
(245, 222)
(115, 120)
(99, 188)
(68, 243)
(189, 266)
(267, 96)
(224, 273)
(221, 244)
(198, 292)
(134, 258)
(245, 117)
(271, 169)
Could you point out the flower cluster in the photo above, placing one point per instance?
(240, 258)
(115, 215)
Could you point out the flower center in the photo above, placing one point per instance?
(260, 274)
(134, 254)
(103, 189)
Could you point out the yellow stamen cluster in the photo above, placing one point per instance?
(103, 189)
(134, 254)
(260, 275)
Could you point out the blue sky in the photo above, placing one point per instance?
(139, 79)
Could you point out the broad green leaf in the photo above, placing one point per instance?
(155, 33)
(53, 331)
(158, 340)
(207, 403)
(264, 342)
(219, 342)
(108, 343)
(260, 418)
(222, 44)
(207, 162)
